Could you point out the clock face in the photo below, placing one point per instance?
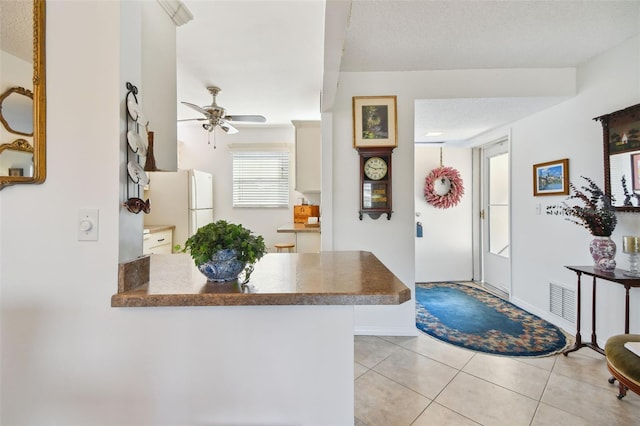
(375, 168)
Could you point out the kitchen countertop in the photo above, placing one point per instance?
(298, 227)
(150, 229)
(326, 278)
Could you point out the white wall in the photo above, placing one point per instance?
(158, 83)
(542, 244)
(392, 241)
(148, 61)
(195, 152)
(130, 225)
(67, 356)
(15, 72)
(605, 84)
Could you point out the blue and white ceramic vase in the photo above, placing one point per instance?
(603, 251)
(223, 266)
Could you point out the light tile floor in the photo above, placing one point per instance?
(421, 381)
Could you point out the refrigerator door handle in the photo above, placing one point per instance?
(194, 191)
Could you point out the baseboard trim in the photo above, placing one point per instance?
(385, 331)
(565, 325)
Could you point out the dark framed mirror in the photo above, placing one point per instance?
(621, 140)
(22, 93)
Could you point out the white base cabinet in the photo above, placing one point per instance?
(159, 242)
(308, 242)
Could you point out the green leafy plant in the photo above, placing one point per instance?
(596, 214)
(221, 235)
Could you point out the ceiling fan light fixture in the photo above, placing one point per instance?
(215, 115)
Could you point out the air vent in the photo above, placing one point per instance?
(562, 302)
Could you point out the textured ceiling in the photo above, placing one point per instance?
(387, 35)
(268, 55)
(16, 29)
(461, 119)
(446, 35)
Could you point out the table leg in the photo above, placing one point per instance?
(594, 340)
(593, 313)
(578, 344)
(626, 309)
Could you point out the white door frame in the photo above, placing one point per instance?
(479, 203)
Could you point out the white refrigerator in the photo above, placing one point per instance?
(183, 199)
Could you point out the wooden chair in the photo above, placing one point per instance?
(623, 364)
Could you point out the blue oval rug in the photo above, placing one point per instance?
(475, 319)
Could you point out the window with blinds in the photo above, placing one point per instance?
(261, 179)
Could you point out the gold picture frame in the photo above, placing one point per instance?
(551, 178)
(375, 121)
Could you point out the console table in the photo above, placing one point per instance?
(615, 276)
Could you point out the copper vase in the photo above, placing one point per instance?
(150, 163)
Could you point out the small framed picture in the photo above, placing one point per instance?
(16, 171)
(375, 121)
(551, 178)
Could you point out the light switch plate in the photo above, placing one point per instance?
(88, 225)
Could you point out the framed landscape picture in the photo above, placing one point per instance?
(375, 121)
(551, 178)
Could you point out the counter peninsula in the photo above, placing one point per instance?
(326, 278)
(280, 353)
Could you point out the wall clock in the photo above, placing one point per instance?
(375, 182)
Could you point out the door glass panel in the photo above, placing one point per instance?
(499, 205)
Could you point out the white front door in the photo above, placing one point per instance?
(495, 214)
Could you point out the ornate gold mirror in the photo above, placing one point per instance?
(621, 138)
(22, 92)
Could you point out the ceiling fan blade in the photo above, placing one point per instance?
(196, 107)
(246, 118)
(228, 128)
(193, 119)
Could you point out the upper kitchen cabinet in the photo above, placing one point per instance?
(308, 156)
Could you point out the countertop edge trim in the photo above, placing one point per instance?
(169, 300)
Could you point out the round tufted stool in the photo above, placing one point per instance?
(623, 364)
(282, 246)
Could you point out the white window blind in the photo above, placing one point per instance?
(260, 179)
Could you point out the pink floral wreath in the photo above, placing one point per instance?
(449, 199)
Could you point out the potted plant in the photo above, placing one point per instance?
(221, 250)
(598, 215)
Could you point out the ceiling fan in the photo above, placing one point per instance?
(214, 115)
